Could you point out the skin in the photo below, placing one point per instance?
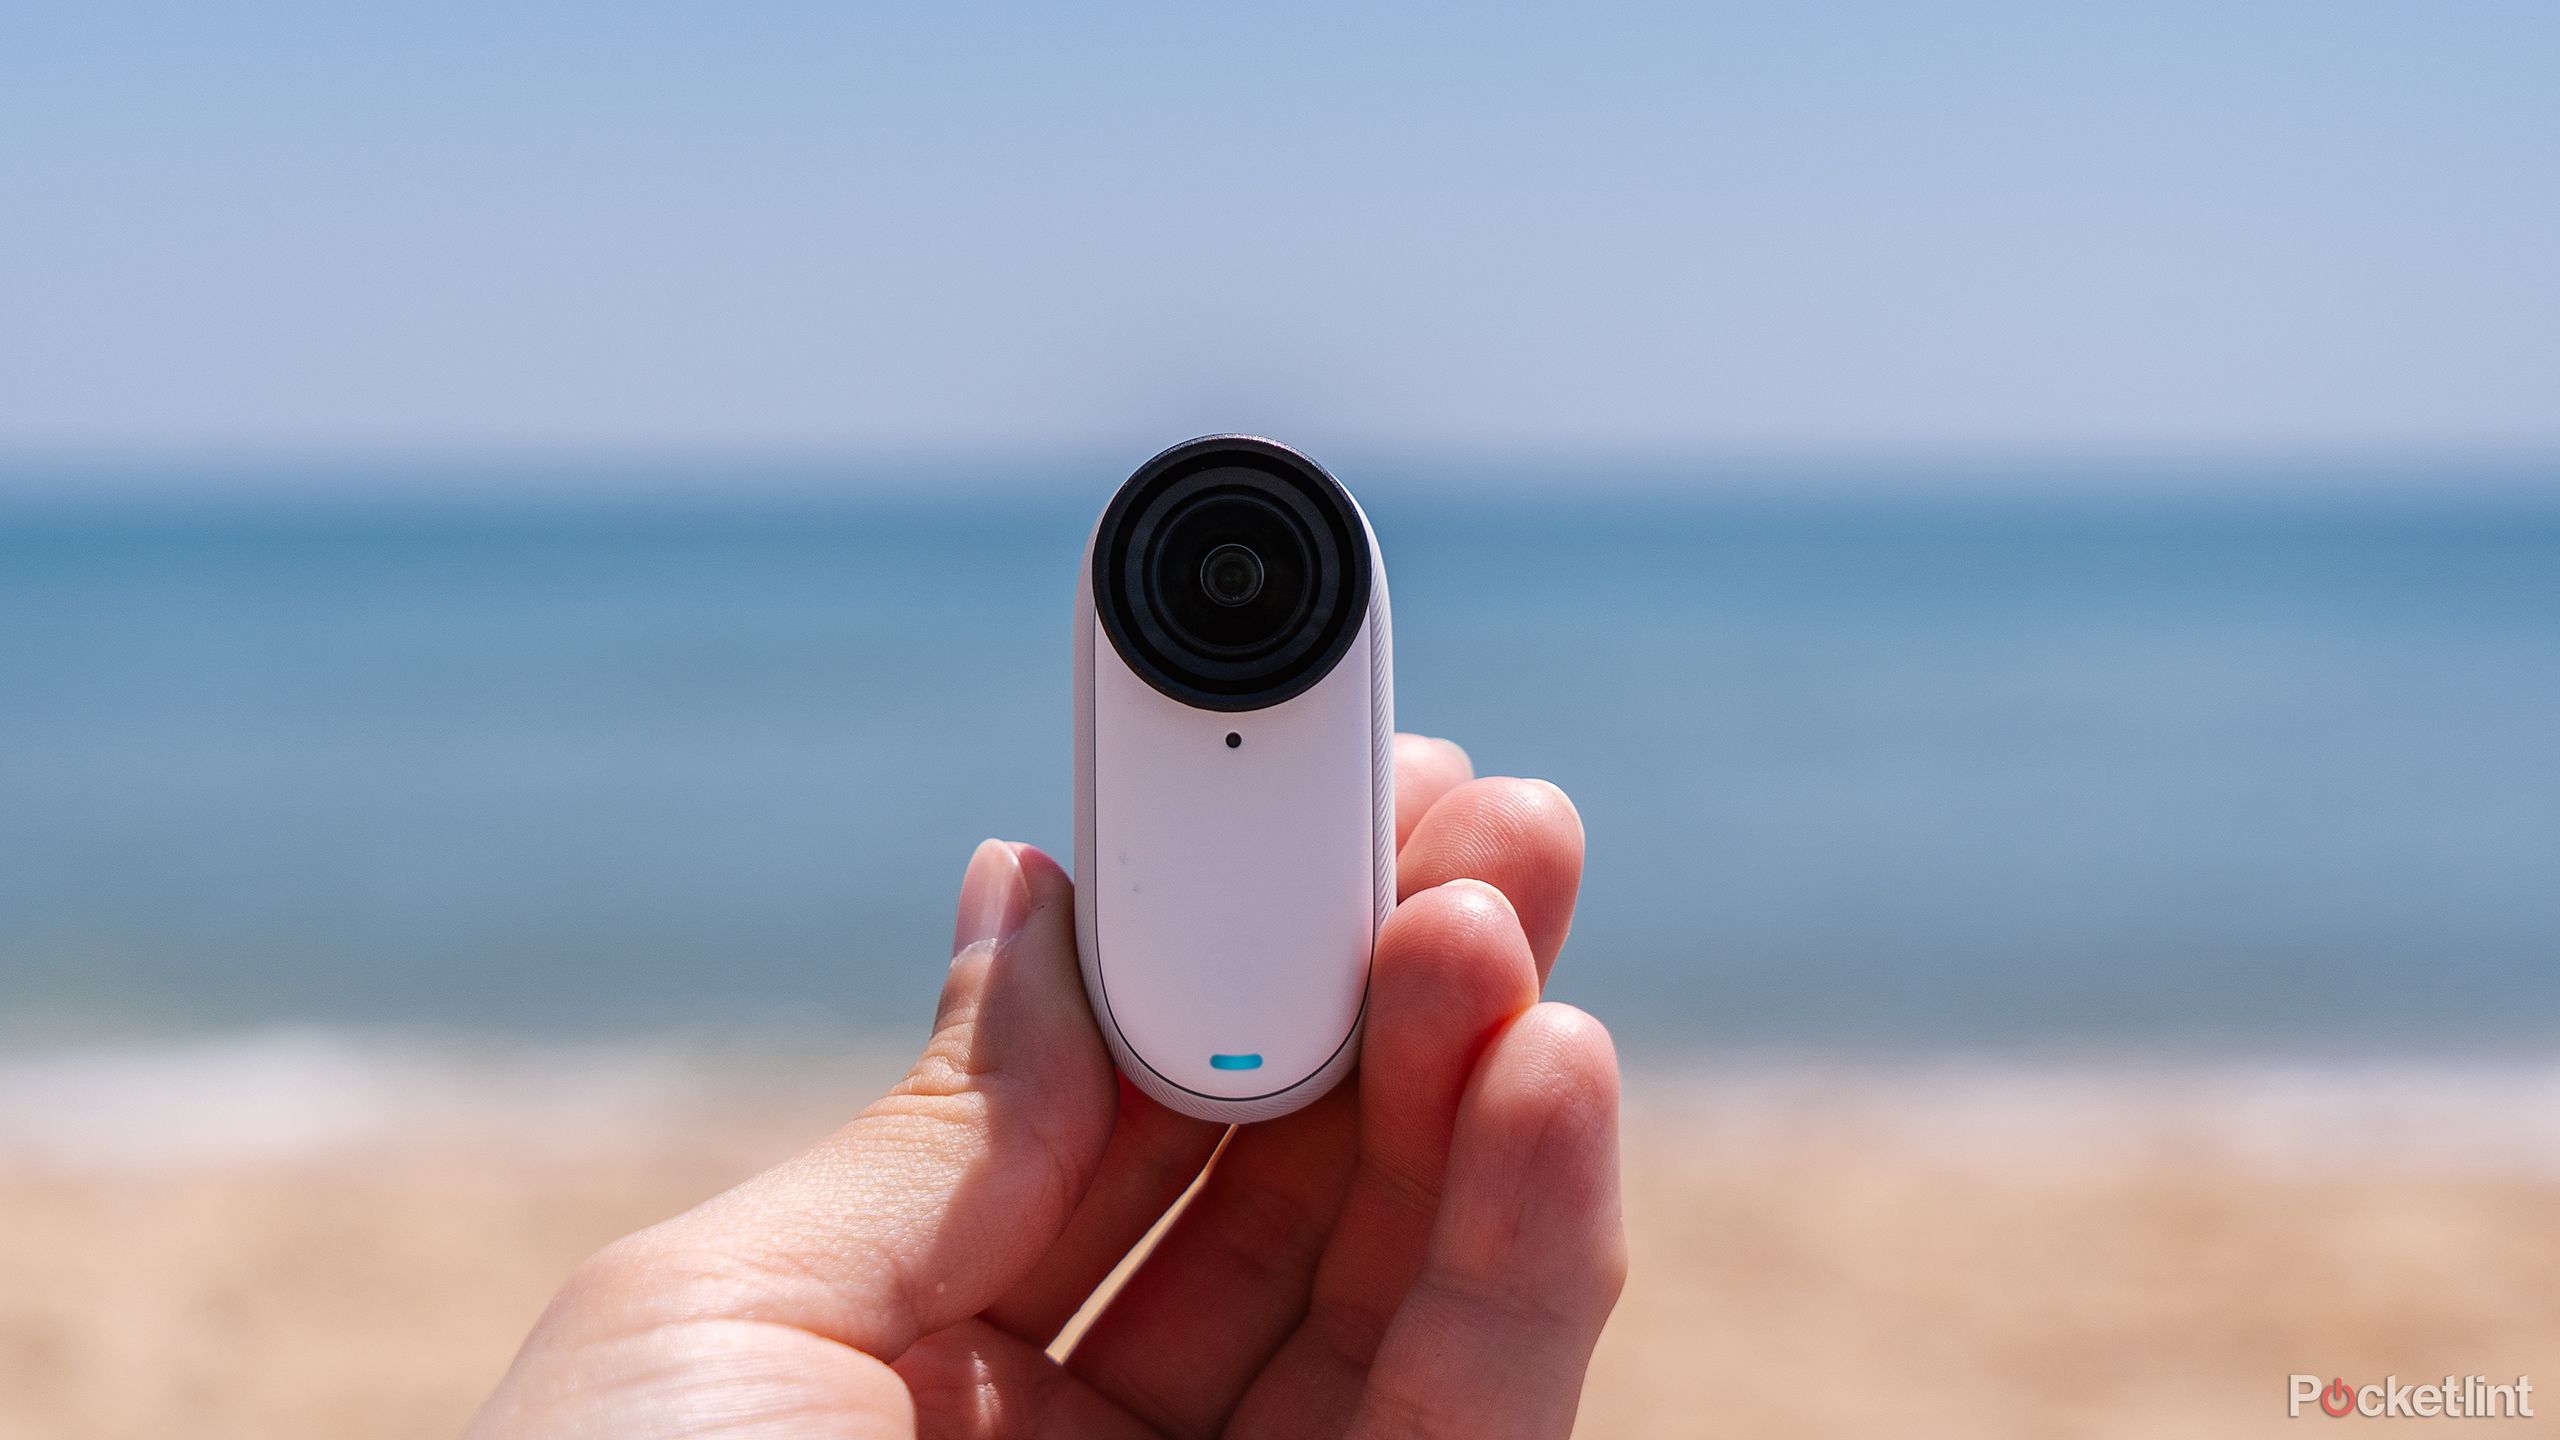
(1429, 1250)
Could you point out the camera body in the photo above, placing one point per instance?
(1235, 776)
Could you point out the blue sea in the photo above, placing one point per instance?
(1867, 769)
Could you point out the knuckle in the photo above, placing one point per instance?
(635, 1283)
(1608, 1279)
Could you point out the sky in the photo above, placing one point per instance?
(267, 229)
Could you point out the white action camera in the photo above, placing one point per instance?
(1235, 776)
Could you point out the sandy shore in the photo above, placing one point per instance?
(305, 1237)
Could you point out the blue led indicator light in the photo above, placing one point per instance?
(1235, 1062)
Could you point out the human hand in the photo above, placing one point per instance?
(1430, 1249)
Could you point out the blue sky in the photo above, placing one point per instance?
(262, 229)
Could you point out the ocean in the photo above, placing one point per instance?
(1870, 771)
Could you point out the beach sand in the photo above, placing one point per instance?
(327, 1238)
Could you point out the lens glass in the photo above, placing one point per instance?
(1232, 574)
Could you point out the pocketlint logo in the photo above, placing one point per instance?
(2464, 1397)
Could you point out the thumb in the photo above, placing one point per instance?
(948, 1189)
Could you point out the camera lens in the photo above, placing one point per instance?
(1232, 574)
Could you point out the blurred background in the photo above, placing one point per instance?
(532, 545)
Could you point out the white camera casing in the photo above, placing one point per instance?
(1228, 897)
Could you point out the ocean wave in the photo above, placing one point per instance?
(290, 1094)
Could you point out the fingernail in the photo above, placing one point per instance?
(994, 899)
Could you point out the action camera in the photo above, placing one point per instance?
(1235, 776)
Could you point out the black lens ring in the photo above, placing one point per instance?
(1339, 573)
(1164, 513)
(1208, 665)
(1169, 497)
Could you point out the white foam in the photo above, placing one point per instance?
(284, 1094)
(2389, 1115)
(281, 1094)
